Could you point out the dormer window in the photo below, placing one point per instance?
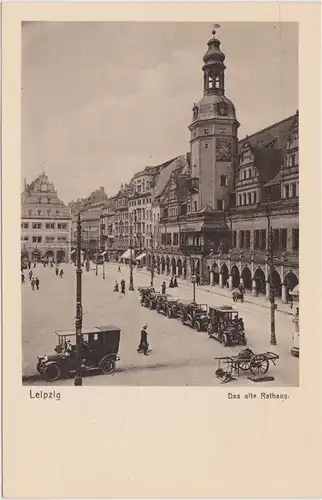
(217, 82)
(210, 82)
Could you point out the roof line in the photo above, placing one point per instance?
(267, 128)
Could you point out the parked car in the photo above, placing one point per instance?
(195, 315)
(225, 325)
(99, 351)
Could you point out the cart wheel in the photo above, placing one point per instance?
(259, 365)
(244, 365)
(51, 372)
(158, 310)
(197, 326)
(107, 365)
(169, 313)
(182, 320)
(224, 339)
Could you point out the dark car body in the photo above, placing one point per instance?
(195, 315)
(99, 351)
(222, 326)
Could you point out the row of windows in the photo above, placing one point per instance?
(290, 190)
(42, 212)
(292, 160)
(143, 201)
(39, 239)
(40, 225)
(141, 213)
(249, 198)
(242, 239)
(246, 173)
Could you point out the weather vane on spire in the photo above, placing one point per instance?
(215, 26)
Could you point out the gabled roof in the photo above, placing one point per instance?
(165, 175)
(277, 134)
(268, 162)
(274, 181)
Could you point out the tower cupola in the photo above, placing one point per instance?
(214, 68)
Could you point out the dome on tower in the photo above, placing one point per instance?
(213, 106)
(214, 56)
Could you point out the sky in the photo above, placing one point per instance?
(102, 100)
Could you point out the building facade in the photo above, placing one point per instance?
(239, 202)
(45, 223)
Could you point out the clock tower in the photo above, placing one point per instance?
(213, 136)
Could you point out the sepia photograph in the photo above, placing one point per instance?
(160, 204)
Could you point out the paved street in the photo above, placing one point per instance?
(180, 355)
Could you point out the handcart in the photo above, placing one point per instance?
(247, 360)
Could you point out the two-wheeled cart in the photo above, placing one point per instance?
(247, 360)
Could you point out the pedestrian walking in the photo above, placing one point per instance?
(34, 264)
(291, 300)
(119, 269)
(123, 286)
(163, 288)
(37, 282)
(57, 271)
(144, 345)
(30, 274)
(33, 282)
(171, 283)
(175, 283)
(61, 274)
(29, 264)
(22, 278)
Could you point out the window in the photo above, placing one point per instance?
(244, 173)
(256, 239)
(293, 190)
(295, 238)
(39, 212)
(293, 159)
(276, 240)
(249, 195)
(234, 239)
(195, 206)
(283, 239)
(223, 180)
(244, 199)
(29, 212)
(286, 191)
(50, 225)
(175, 239)
(262, 243)
(206, 131)
(241, 239)
(254, 197)
(57, 212)
(50, 238)
(206, 145)
(239, 200)
(25, 225)
(36, 225)
(36, 239)
(219, 204)
(247, 239)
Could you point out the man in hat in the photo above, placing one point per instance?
(144, 346)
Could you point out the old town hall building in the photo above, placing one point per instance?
(236, 200)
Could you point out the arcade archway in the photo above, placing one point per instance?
(276, 282)
(247, 278)
(235, 276)
(179, 266)
(225, 273)
(260, 281)
(60, 256)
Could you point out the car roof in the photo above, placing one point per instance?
(95, 329)
(224, 309)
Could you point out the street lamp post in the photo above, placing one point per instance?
(131, 287)
(271, 269)
(103, 267)
(79, 312)
(152, 261)
(193, 280)
(96, 268)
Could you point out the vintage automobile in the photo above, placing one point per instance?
(153, 299)
(225, 326)
(99, 351)
(195, 315)
(174, 309)
(162, 303)
(145, 292)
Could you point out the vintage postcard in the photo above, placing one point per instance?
(154, 242)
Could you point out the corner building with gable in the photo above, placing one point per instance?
(219, 220)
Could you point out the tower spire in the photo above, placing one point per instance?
(214, 68)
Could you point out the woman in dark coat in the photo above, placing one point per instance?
(144, 345)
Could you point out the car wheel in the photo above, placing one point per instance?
(169, 313)
(224, 339)
(158, 310)
(150, 306)
(107, 365)
(197, 326)
(51, 372)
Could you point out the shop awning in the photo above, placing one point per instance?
(296, 291)
(140, 257)
(126, 255)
